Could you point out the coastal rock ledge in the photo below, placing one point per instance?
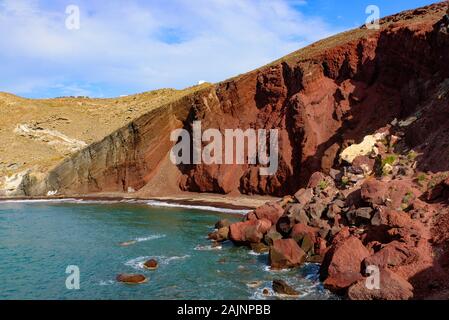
(361, 226)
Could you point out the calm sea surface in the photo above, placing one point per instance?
(38, 240)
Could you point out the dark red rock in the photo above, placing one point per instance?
(131, 278)
(299, 230)
(394, 194)
(391, 218)
(271, 211)
(342, 264)
(374, 192)
(151, 264)
(392, 287)
(392, 254)
(286, 253)
(251, 231)
(363, 164)
(317, 179)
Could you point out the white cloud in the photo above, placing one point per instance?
(145, 44)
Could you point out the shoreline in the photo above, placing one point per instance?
(201, 200)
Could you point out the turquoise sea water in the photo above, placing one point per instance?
(38, 240)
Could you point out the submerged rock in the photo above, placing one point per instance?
(220, 235)
(131, 278)
(127, 243)
(281, 287)
(151, 264)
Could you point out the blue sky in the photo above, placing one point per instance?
(125, 47)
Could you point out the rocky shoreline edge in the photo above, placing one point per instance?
(374, 212)
(200, 201)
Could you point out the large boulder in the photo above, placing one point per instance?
(391, 218)
(271, 211)
(343, 263)
(391, 287)
(299, 231)
(297, 213)
(286, 253)
(251, 231)
(374, 192)
(396, 194)
(392, 254)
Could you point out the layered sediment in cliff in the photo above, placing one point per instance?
(326, 97)
(321, 99)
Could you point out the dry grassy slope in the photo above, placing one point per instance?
(54, 123)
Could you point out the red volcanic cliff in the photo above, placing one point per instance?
(327, 96)
(321, 98)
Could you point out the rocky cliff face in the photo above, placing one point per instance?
(326, 97)
(128, 159)
(321, 99)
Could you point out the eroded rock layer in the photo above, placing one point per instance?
(321, 99)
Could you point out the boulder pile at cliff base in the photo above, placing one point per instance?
(376, 210)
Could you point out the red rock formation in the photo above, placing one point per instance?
(251, 231)
(321, 99)
(272, 211)
(344, 264)
(285, 253)
(391, 287)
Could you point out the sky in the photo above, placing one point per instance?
(122, 47)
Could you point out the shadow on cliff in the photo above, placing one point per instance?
(401, 79)
(431, 283)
